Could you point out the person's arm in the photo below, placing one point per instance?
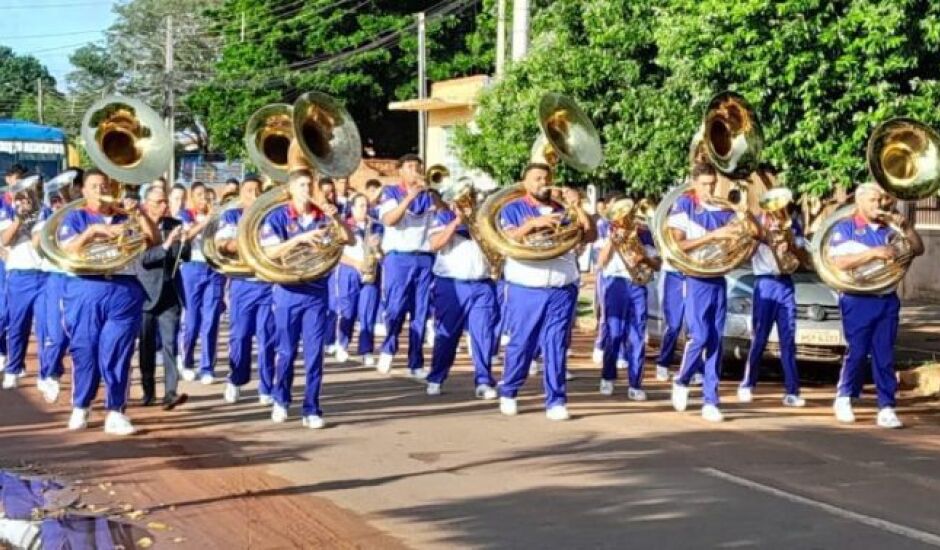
(606, 253)
(917, 244)
(532, 224)
(846, 262)
(393, 216)
(441, 237)
(75, 244)
(10, 230)
(588, 226)
(687, 245)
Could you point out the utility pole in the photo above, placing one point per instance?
(170, 100)
(243, 27)
(39, 99)
(422, 85)
(500, 38)
(520, 28)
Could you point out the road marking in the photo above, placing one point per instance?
(878, 523)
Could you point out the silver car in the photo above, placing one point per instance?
(818, 326)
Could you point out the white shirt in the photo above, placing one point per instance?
(461, 258)
(411, 232)
(554, 273)
(615, 266)
(22, 255)
(190, 218)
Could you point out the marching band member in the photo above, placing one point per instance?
(177, 200)
(52, 337)
(625, 313)
(870, 321)
(103, 314)
(603, 226)
(464, 295)
(13, 175)
(299, 309)
(162, 302)
(202, 289)
(696, 223)
(407, 210)
(24, 278)
(357, 299)
(774, 303)
(250, 312)
(542, 295)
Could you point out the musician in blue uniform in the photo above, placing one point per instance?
(103, 313)
(407, 210)
(24, 278)
(625, 311)
(672, 300)
(870, 321)
(464, 297)
(250, 314)
(299, 309)
(202, 290)
(774, 303)
(13, 175)
(542, 294)
(357, 299)
(696, 224)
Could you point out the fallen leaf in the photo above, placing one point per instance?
(178, 540)
(157, 526)
(127, 507)
(145, 542)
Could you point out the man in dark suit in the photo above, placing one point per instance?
(159, 275)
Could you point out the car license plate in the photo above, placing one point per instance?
(823, 337)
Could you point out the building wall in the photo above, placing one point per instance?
(922, 282)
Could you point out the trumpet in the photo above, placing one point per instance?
(780, 237)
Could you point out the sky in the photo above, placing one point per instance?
(50, 30)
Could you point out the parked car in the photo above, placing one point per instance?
(819, 334)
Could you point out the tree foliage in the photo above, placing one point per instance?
(19, 75)
(363, 53)
(820, 75)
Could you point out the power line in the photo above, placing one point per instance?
(58, 5)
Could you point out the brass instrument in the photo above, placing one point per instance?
(568, 136)
(324, 139)
(128, 141)
(780, 239)
(370, 257)
(26, 189)
(625, 216)
(222, 261)
(731, 139)
(461, 195)
(903, 157)
(436, 175)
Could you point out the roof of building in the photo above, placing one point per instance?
(23, 130)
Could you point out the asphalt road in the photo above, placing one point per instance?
(399, 467)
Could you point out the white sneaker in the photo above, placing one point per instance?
(790, 400)
(385, 363)
(697, 379)
(606, 387)
(485, 391)
(433, 389)
(662, 374)
(558, 412)
(745, 395)
(231, 393)
(469, 347)
(265, 400)
(534, 368)
(118, 424)
(504, 339)
(330, 349)
(78, 420)
(636, 394)
(508, 406)
(368, 360)
(712, 413)
(50, 390)
(206, 379)
(380, 329)
(418, 374)
(569, 376)
(3, 362)
(680, 397)
(278, 413)
(10, 381)
(188, 375)
(341, 355)
(887, 418)
(21, 374)
(622, 364)
(313, 422)
(597, 356)
(843, 409)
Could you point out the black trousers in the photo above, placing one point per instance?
(163, 319)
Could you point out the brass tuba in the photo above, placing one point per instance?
(625, 216)
(569, 136)
(128, 141)
(230, 265)
(775, 203)
(731, 139)
(461, 195)
(326, 139)
(903, 157)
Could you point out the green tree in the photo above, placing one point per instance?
(363, 53)
(18, 79)
(820, 75)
